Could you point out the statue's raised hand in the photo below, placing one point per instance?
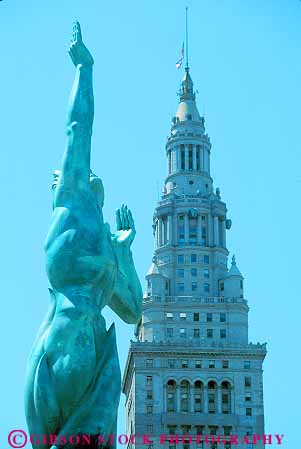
(78, 52)
(126, 232)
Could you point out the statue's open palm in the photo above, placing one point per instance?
(77, 50)
(126, 232)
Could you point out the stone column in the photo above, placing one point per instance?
(186, 228)
(215, 229)
(194, 157)
(178, 150)
(232, 405)
(186, 157)
(191, 399)
(169, 229)
(178, 398)
(219, 399)
(205, 399)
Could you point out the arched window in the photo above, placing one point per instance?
(226, 397)
(212, 396)
(171, 395)
(198, 396)
(184, 396)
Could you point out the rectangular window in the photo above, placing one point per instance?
(193, 258)
(184, 364)
(199, 430)
(249, 431)
(225, 398)
(248, 411)
(182, 157)
(241, 284)
(194, 286)
(149, 428)
(196, 333)
(169, 316)
(196, 317)
(209, 333)
(204, 236)
(194, 272)
(206, 274)
(183, 333)
(225, 364)
(149, 409)
(192, 231)
(171, 363)
(169, 332)
(180, 258)
(248, 382)
(222, 317)
(212, 430)
(248, 398)
(149, 395)
(180, 272)
(190, 164)
(227, 430)
(209, 317)
(211, 364)
(181, 231)
(223, 333)
(222, 286)
(149, 363)
(172, 430)
(247, 364)
(198, 364)
(180, 286)
(206, 259)
(206, 288)
(198, 157)
(183, 316)
(149, 380)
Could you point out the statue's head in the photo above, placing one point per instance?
(96, 186)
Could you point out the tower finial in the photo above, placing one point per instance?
(187, 66)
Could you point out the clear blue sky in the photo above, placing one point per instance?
(245, 62)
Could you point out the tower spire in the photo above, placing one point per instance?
(186, 27)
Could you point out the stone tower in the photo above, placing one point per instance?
(192, 371)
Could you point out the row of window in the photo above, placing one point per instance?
(185, 363)
(193, 258)
(211, 384)
(193, 287)
(182, 333)
(193, 272)
(210, 317)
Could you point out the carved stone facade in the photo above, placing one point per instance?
(192, 369)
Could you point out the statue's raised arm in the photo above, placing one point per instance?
(75, 173)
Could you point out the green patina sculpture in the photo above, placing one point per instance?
(73, 377)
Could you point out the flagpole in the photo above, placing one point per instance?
(187, 37)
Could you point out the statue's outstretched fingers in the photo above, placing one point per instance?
(118, 220)
(77, 32)
(122, 216)
(131, 220)
(126, 219)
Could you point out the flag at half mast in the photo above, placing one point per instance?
(180, 61)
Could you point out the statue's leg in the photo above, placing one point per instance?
(96, 416)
